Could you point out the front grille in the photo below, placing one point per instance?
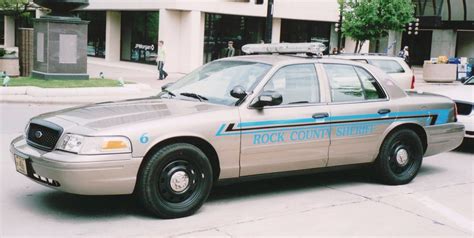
(43, 134)
(464, 108)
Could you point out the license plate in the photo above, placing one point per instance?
(20, 164)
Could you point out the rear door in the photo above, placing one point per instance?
(360, 113)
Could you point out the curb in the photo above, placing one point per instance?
(38, 95)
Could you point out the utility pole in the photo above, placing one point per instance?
(269, 22)
(339, 27)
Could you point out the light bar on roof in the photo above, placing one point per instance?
(314, 48)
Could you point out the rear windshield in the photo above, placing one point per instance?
(388, 66)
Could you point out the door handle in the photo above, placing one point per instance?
(384, 111)
(320, 115)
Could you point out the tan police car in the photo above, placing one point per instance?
(236, 118)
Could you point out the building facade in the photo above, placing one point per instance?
(196, 32)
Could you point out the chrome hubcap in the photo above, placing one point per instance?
(179, 181)
(402, 157)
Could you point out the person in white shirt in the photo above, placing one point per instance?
(160, 60)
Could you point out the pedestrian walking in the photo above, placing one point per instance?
(160, 60)
(230, 50)
(405, 54)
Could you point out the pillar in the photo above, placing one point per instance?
(183, 34)
(443, 43)
(9, 31)
(192, 40)
(112, 36)
(333, 38)
(394, 44)
(351, 44)
(276, 30)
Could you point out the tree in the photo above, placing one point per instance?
(372, 19)
(20, 10)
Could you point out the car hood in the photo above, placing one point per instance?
(112, 114)
(457, 93)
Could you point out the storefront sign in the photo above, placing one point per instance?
(145, 47)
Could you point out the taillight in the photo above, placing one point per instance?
(455, 112)
(412, 86)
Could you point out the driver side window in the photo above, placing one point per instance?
(296, 83)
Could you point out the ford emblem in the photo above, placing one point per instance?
(38, 134)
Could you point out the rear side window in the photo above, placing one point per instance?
(372, 88)
(344, 82)
(388, 66)
(349, 83)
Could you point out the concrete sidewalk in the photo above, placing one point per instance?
(144, 76)
(134, 72)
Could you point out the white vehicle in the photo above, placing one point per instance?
(463, 96)
(396, 67)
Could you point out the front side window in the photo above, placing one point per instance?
(349, 83)
(388, 66)
(214, 81)
(296, 83)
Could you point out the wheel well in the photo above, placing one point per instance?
(418, 130)
(196, 141)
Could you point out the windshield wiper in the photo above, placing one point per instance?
(168, 92)
(194, 95)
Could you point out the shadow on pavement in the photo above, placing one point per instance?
(467, 146)
(71, 206)
(64, 205)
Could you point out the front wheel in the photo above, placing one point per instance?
(400, 157)
(175, 181)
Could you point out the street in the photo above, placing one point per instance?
(439, 202)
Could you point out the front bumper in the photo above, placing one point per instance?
(445, 137)
(79, 174)
(468, 122)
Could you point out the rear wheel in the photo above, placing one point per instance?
(400, 157)
(175, 181)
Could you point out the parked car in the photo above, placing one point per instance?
(238, 118)
(396, 67)
(463, 95)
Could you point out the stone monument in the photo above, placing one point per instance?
(60, 41)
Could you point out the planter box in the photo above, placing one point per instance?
(11, 65)
(444, 73)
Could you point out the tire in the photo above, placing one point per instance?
(175, 181)
(400, 157)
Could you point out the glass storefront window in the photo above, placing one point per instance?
(220, 29)
(139, 35)
(95, 32)
(294, 31)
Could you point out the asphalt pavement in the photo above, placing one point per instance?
(439, 202)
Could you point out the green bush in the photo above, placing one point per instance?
(2, 52)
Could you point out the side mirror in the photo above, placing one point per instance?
(164, 87)
(238, 92)
(267, 98)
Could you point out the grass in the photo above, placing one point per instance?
(67, 83)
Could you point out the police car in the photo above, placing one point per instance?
(281, 109)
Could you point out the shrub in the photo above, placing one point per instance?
(2, 52)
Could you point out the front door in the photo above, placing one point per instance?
(286, 137)
(360, 114)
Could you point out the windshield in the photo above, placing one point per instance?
(214, 81)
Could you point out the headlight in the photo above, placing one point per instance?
(87, 145)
